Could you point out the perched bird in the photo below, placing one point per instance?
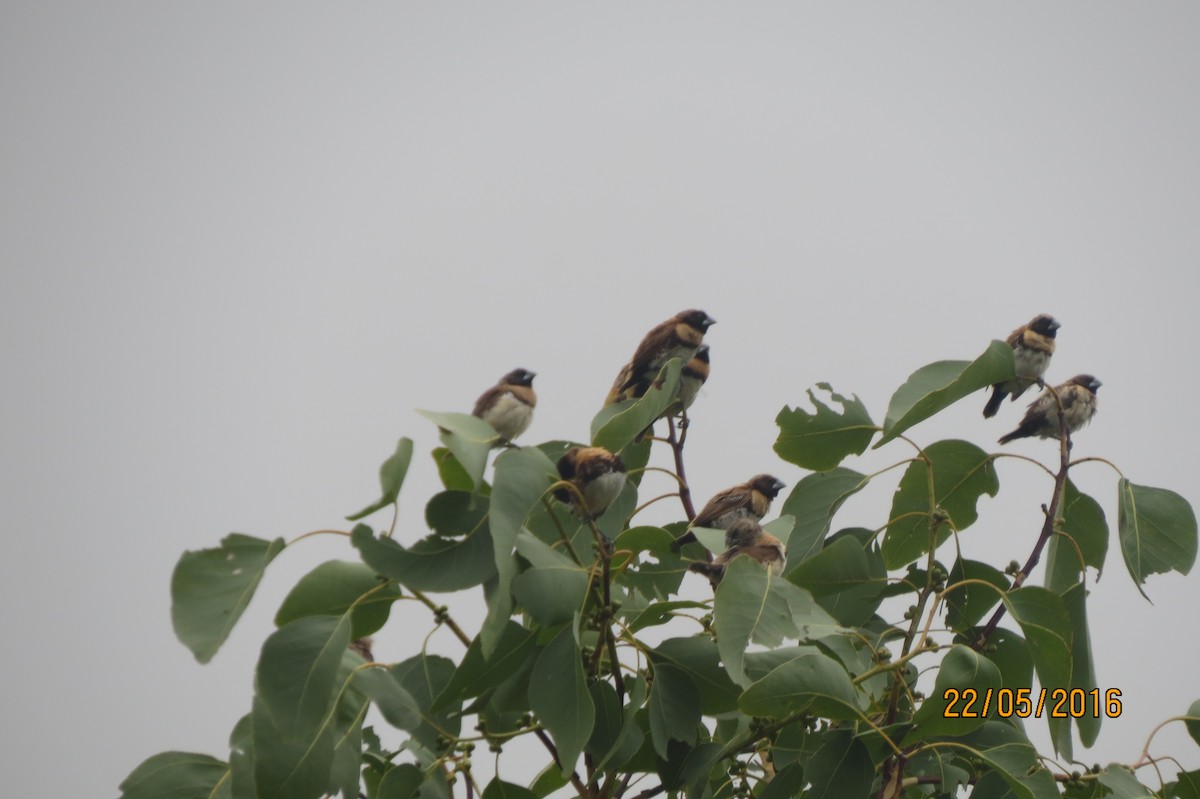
(1032, 344)
(748, 500)
(1079, 401)
(597, 473)
(678, 337)
(693, 376)
(508, 405)
(691, 379)
(745, 537)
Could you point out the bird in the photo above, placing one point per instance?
(597, 473)
(678, 337)
(1078, 396)
(508, 405)
(748, 500)
(1032, 344)
(694, 375)
(745, 537)
(691, 379)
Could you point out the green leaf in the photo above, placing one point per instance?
(469, 438)
(751, 605)
(939, 385)
(425, 677)
(967, 604)
(332, 588)
(294, 690)
(401, 782)
(787, 783)
(1157, 528)
(1047, 627)
(498, 789)
(845, 578)
(391, 477)
(174, 775)
(454, 513)
(813, 682)
(521, 479)
(630, 738)
(840, 769)
(961, 669)
(813, 503)
(962, 473)
(476, 674)
(1010, 652)
(822, 440)
(1123, 785)
(558, 694)
(1007, 751)
(661, 613)
(616, 425)
(395, 704)
(1083, 674)
(698, 656)
(211, 588)
(1193, 727)
(674, 708)
(1084, 540)
(453, 476)
(552, 595)
(241, 759)
(433, 563)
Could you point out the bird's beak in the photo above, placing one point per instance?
(780, 485)
(1055, 325)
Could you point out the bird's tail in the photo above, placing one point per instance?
(682, 541)
(993, 404)
(1020, 432)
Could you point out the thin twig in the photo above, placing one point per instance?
(685, 493)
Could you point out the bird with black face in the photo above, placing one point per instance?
(745, 537)
(748, 500)
(508, 405)
(597, 473)
(678, 337)
(1078, 397)
(1033, 346)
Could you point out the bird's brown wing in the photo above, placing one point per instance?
(728, 500)
(486, 399)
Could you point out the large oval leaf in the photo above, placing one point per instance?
(1083, 542)
(558, 694)
(521, 479)
(846, 578)
(174, 775)
(813, 503)
(294, 692)
(1157, 528)
(939, 385)
(332, 588)
(822, 440)
(211, 588)
(674, 708)
(752, 605)
(812, 682)
(961, 668)
(962, 473)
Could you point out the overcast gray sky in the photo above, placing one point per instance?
(240, 244)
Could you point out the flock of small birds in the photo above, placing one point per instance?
(598, 475)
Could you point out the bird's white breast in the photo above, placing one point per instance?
(509, 416)
(602, 491)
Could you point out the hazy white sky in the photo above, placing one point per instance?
(240, 244)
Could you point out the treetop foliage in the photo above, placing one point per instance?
(803, 684)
